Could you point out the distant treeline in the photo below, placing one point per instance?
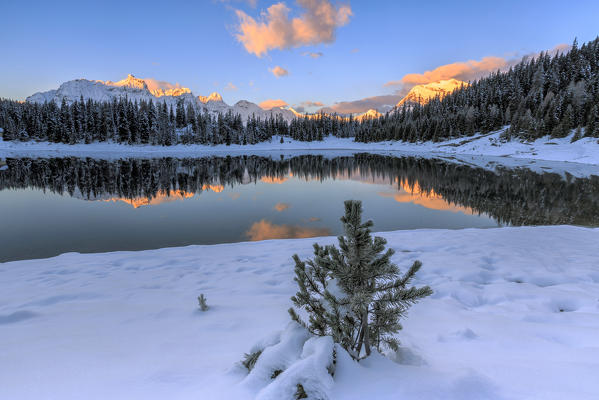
(540, 96)
(510, 196)
(128, 122)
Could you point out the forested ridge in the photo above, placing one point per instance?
(543, 95)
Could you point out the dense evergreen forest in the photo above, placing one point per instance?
(510, 196)
(545, 95)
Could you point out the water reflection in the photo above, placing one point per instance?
(516, 197)
(149, 203)
(161, 197)
(431, 199)
(264, 230)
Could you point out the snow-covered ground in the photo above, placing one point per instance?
(515, 315)
(582, 151)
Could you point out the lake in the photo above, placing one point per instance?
(50, 206)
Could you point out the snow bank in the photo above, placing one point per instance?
(514, 315)
(584, 151)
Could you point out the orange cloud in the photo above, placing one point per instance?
(275, 30)
(281, 206)
(271, 103)
(463, 71)
(264, 230)
(279, 71)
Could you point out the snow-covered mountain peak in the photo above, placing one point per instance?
(423, 93)
(372, 113)
(214, 96)
(129, 82)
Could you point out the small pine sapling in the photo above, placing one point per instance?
(202, 302)
(355, 293)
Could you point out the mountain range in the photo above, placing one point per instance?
(137, 89)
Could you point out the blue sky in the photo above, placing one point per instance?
(194, 43)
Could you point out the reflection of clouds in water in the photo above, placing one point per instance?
(263, 230)
(282, 206)
(234, 196)
(431, 201)
(314, 219)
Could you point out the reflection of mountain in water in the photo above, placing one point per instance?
(513, 196)
(161, 197)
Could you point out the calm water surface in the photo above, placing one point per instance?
(53, 206)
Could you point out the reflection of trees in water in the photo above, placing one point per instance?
(514, 196)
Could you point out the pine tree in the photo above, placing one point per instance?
(180, 118)
(124, 133)
(355, 293)
(592, 128)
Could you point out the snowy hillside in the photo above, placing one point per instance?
(137, 89)
(514, 315)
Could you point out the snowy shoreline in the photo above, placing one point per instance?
(514, 315)
(583, 151)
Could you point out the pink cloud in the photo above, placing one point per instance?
(271, 103)
(279, 71)
(275, 30)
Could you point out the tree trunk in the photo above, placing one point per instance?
(360, 341)
(366, 331)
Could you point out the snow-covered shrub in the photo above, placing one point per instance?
(296, 366)
(355, 294)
